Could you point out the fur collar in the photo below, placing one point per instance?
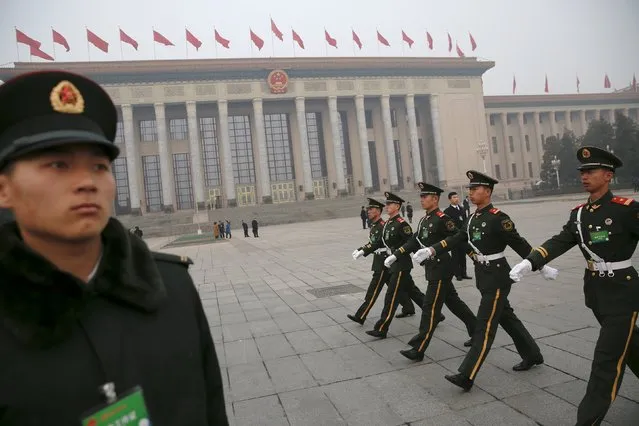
(39, 304)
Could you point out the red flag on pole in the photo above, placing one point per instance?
(382, 39)
(25, 39)
(546, 85)
(276, 31)
(257, 41)
(124, 37)
(195, 42)
(429, 40)
(330, 40)
(356, 39)
(473, 45)
(634, 83)
(460, 53)
(607, 84)
(298, 39)
(514, 85)
(159, 38)
(221, 40)
(407, 39)
(450, 43)
(35, 51)
(97, 41)
(59, 38)
(578, 83)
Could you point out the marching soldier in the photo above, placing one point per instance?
(606, 228)
(381, 274)
(433, 227)
(488, 231)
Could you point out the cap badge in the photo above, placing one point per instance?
(66, 98)
(585, 153)
(469, 175)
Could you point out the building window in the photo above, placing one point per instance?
(210, 152)
(527, 140)
(148, 131)
(342, 124)
(541, 120)
(152, 182)
(514, 167)
(120, 173)
(119, 133)
(507, 119)
(530, 173)
(182, 179)
(178, 129)
(511, 144)
(369, 118)
(495, 146)
(393, 114)
(497, 172)
(278, 147)
(241, 150)
(491, 119)
(525, 117)
(316, 149)
(417, 119)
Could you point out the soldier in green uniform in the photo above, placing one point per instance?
(606, 228)
(381, 274)
(488, 231)
(433, 227)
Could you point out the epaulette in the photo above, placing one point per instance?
(494, 210)
(623, 201)
(579, 206)
(400, 220)
(440, 213)
(166, 257)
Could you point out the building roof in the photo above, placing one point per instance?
(559, 100)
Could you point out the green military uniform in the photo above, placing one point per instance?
(488, 232)
(395, 233)
(381, 274)
(432, 228)
(607, 231)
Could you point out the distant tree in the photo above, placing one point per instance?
(626, 147)
(552, 149)
(564, 150)
(600, 134)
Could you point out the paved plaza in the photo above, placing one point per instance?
(289, 357)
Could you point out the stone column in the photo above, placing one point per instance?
(418, 175)
(196, 156)
(300, 108)
(165, 159)
(553, 123)
(225, 153)
(567, 120)
(333, 116)
(626, 112)
(437, 136)
(522, 142)
(132, 158)
(388, 136)
(503, 118)
(597, 114)
(363, 142)
(584, 122)
(611, 114)
(540, 143)
(260, 140)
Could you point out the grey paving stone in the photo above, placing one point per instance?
(257, 315)
(338, 314)
(449, 419)
(289, 373)
(317, 319)
(260, 411)
(564, 361)
(544, 408)
(264, 328)
(275, 346)
(327, 367)
(310, 407)
(233, 318)
(305, 341)
(216, 333)
(495, 413)
(290, 323)
(362, 360)
(571, 344)
(241, 352)
(238, 331)
(389, 350)
(335, 336)
(249, 381)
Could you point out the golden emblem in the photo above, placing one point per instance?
(277, 81)
(470, 175)
(507, 225)
(450, 225)
(585, 153)
(66, 98)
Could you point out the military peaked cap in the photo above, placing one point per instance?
(42, 110)
(392, 198)
(591, 157)
(374, 204)
(428, 189)
(480, 179)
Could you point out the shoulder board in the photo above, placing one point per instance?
(579, 206)
(382, 222)
(623, 201)
(172, 258)
(400, 220)
(495, 210)
(440, 213)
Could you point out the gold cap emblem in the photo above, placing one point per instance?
(66, 98)
(585, 153)
(469, 175)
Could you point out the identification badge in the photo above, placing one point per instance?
(130, 409)
(476, 236)
(599, 236)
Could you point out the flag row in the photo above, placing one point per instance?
(606, 83)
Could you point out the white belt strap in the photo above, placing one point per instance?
(609, 267)
(475, 249)
(597, 263)
(485, 259)
(419, 225)
(380, 251)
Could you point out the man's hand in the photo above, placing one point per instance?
(357, 254)
(520, 269)
(423, 254)
(549, 273)
(390, 260)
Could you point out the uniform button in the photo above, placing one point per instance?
(498, 265)
(591, 210)
(593, 274)
(589, 243)
(628, 277)
(589, 226)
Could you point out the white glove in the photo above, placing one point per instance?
(423, 254)
(520, 269)
(390, 260)
(549, 273)
(357, 254)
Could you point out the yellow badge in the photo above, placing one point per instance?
(450, 225)
(66, 98)
(585, 153)
(507, 225)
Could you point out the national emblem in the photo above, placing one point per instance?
(66, 98)
(585, 153)
(278, 81)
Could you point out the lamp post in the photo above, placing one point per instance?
(614, 177)
(555, 163)
(482, 150)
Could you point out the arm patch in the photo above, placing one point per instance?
(450, 225)
(408, 230)
(507, 224)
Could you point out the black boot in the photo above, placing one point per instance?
(412, 354)
(526, 365)
(378, 334)
(354, 318)
(468, 343)
(441, 317)
(404, 314)
(460, 380)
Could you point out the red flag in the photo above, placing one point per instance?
(257, 41)
(578, 83)
(298, 39)
(634, 83)
(276, 31)
(450, 43)
(382, 39)
(460, 53)
(330, 40)
(59, 38)
(407, 39)
(473, 45)
(35, 51)
(159, 38)
(97, 41)
(124, 37)
(514, 85)
(429, 39)
(195, 42)
(546, 85)
(25, 39)
(607, 84)
(356, 39)
(221, 40)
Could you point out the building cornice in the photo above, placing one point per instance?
(557, 101)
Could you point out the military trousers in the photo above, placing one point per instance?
(439, 293)
(617, 345)
(495, 310)
(380, 278)
(400, 284)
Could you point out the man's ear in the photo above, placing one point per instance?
(5, 191)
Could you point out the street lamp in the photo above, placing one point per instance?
(614, 177)
(482, 150)
(555, 163)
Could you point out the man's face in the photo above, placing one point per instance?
(392, 208)
(594, 180)
(479, 194)
(454, 199)
(65, 194)
(373, 213)
(429, 201)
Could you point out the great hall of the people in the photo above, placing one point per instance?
(235, 132)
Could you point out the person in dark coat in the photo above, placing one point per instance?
(458, 214)
(364, 216)
(245, 228)
(254, 226)
(90, 319)
(137, 231)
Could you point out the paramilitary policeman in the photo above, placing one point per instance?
(381, 274)
(488, 231)
(433, 227)
(395, 233)
(606, 228)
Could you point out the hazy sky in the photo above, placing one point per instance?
(527, 38)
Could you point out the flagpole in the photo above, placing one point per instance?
(272, 41)
(88, 47)
(353, 42)
(120, 37)
(154, 55)
(186, 48)
(17, 45)
(378, 47)
(250, 42)
(53, 44)
(293, 41)
(325, 42)
(214, 31)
